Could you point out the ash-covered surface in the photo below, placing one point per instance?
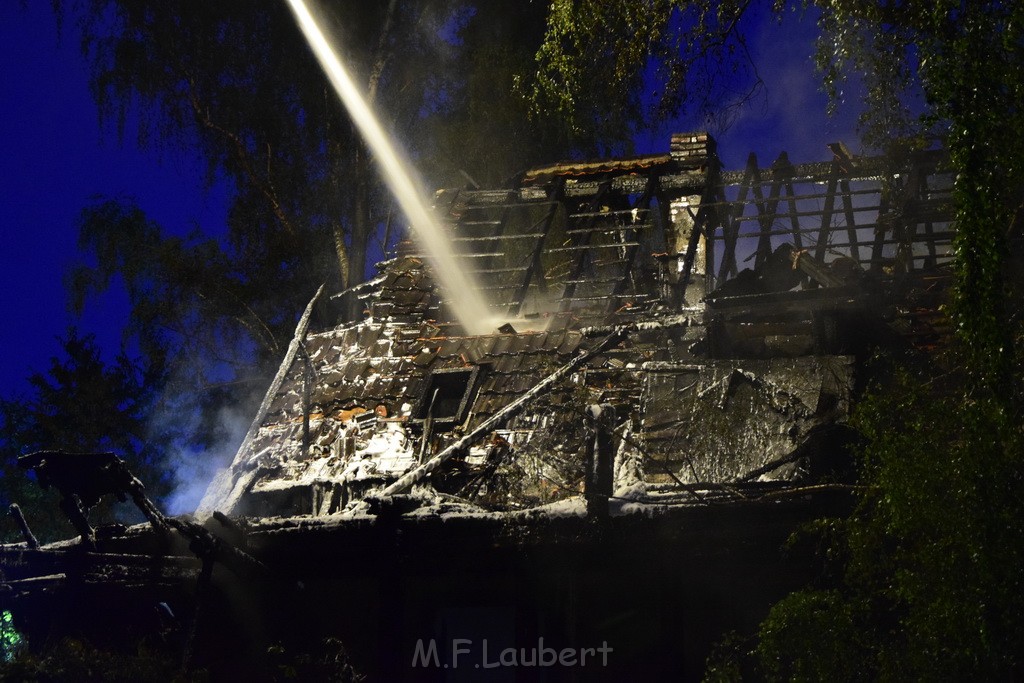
(750, 414)
(746, 386)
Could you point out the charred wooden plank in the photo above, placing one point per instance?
(833, 298)
(26, 532)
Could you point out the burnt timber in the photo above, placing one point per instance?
(662, 401)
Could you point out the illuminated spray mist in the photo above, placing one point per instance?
(461, 292)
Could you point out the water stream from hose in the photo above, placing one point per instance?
(460, 291)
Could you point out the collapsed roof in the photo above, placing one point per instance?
(621, 285)
(673, 335)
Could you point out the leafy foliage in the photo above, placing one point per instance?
(480, 122)
(202, 326)
(932, 577)
(76, 661)
(325, 660)
(599, 57)
(11, 641)
(928, 585)
(967, 59)
(926, 578)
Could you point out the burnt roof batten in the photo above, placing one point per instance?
(731, 227)
(536, 268)
(642, 205)
(826, 215)
(580, 241)
(794, 221)
(851, 221)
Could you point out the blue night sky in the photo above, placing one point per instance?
(55, 160)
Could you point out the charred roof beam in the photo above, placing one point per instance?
(581, 240)
(642, 204)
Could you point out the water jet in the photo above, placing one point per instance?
(462, 293)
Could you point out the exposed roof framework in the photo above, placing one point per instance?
(736, 299)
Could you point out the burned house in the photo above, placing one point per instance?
(719, 315)
(674, 353)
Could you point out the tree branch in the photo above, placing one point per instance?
(265, 188)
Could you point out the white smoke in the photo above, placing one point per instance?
(192, 469)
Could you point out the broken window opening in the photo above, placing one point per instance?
(446, 397)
